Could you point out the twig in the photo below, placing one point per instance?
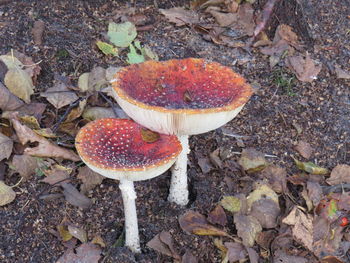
(335, 188)
(266, 155)
(111, 104)
(64, 116)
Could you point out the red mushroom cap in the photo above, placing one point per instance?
(117, 145)
(182, 86)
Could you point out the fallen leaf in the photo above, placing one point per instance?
(311, 168)
(235, 252)
(282, 257)
(78, 233)
(56, 174)
(218, 216)
(107, 49)
(83, 82)
(29, 121)
(266, 211)
(164, 244)
(262, 192)
(133, 56)
(95, 113)
(121, 34)
(17, 80)
(8, 101)
(342, 74)
(331, 259)
(302, 227)
(45, 148)
(25, 165)
(286, 33)
(305, 69)
(89, 178)
(74, 197)
(315, 192)
(149, 136)
(215, 158)
(33, 109)
(111, 71)
(180, 16)
(76, 112)
(223, 19)
(37, 32)
(85, 253)
(64, 233)
(340, 174)
(33, 69)
(305, 149)
(59, 95)
(7, 195)
(98, 240)
(246, 18)
(204, 165)
(277, 178)
(252, 160)
(188, 257)
(6, 145)
(248, 227)
(97, 79)
(195, 223)
(265, 238)
(231, 203)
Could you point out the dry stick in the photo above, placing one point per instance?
(335, 188)
(111, 104)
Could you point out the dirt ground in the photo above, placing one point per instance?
(268, 121)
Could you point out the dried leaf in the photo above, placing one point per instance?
(97, 79)
(78, 233)
(310, 167)
(277, 178)
(59, 95)
(305, 69)
(121, 34)
(315, 192)
(95, 113)
(282, 257)
(25, 165)
(266, 211)
(223, 19)
(246, 18)
(7, 195)
(33, 69)
(76, 112)
(164, 244)
(218, 216)
(252, 160)
(304, 149)
(180, 16)
(342, 74)
(195, 223)
(89, 178)
(188, 257)
(204, 165)
(98, 240)
(33, 109)
(262, 192)
(83, 82)
(248, 227)
(17, 80)
(340, 174)
(149, 136)
(133, 56)
(215, 158)
(85, 253)
(56, 174)
(64, 233)
(74, 197)
(231, 203)
(8, 101)
(107, 49)
(37, 32)
(235, 252)
(6, 145)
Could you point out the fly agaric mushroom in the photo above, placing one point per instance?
(120, 149)
(182, 97)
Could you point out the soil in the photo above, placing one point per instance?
(321, 109)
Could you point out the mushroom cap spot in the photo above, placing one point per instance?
(116, 145)
(182, 86)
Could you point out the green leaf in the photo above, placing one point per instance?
(107, 49)
(310, 167)
(332, 208)
(122, 34)
(134, 57)
(231, 204)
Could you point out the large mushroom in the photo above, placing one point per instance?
(182, 97)
(123, 150)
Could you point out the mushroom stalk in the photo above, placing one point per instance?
(132, 239)
(178, 192)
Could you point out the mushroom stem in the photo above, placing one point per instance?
(178, 192)
(132, 239)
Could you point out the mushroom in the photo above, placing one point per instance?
(123, 150)
(182, 97)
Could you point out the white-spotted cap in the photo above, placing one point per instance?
(116, 148)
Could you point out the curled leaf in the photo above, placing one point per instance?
(231, 204)
(310, 167)
(107, 49)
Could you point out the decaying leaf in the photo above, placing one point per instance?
(195, 223)
(180, 16)
(33, 69)
(8, 101)
(304, 148)
(315, 192)
(164, 244)
(78, 233)
(74, 197)
(98, 240)
(7, 195)
(252, 160)
(121, 34)
(340, 174)
(342, 74)
(85, 253)
(93, 81)
(188, 257)
(231, 203)
(248, 227)
(262, 192)
(277, 178)
(310, 167)
(64, 233)
(95, 113)
(6, 145)
(149, 136)
(106, 48)
(266, 211)
(25, 165)
(37, 32)
(235, 252)
(56, 174)
(218, 216)
(305, 69)
(223, 19)
(45, 148)
(282, 257)
(89, 178)
(76, 112)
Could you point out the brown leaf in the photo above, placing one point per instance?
(248, 227)
(283, 257)
(25, 165)
(231, 203)
(8, 101)
(252, 160)
(223, 19)
(315, 192)
(266, 211)
(45, 147)
(59, 95)
(64, 233)
(215, 158)
(246, 18)
(37, 32)
(95, 113)
(277, 178)
(342, 74)
(305, 69)
(265, 238)
(97, 79)
(7, 195)
(56, 174)
(76, 112)
(33, 69)
(33, 109)
(261, 192)
(235, 251)
(89, 178)
(188, 257)
(98, 240)
(85, 253)
(6, 145)
(218, 216)
(78, 233)
(195, 223)
(305, 149)
(74, 197)
(204, 165)
(340, 174)
(180, 16)
(149, 136)
(164, 244)
(286, 33)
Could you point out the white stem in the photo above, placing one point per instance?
(132, 239)
(178, 192)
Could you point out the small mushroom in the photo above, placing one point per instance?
(182, 97)
(116, 148)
